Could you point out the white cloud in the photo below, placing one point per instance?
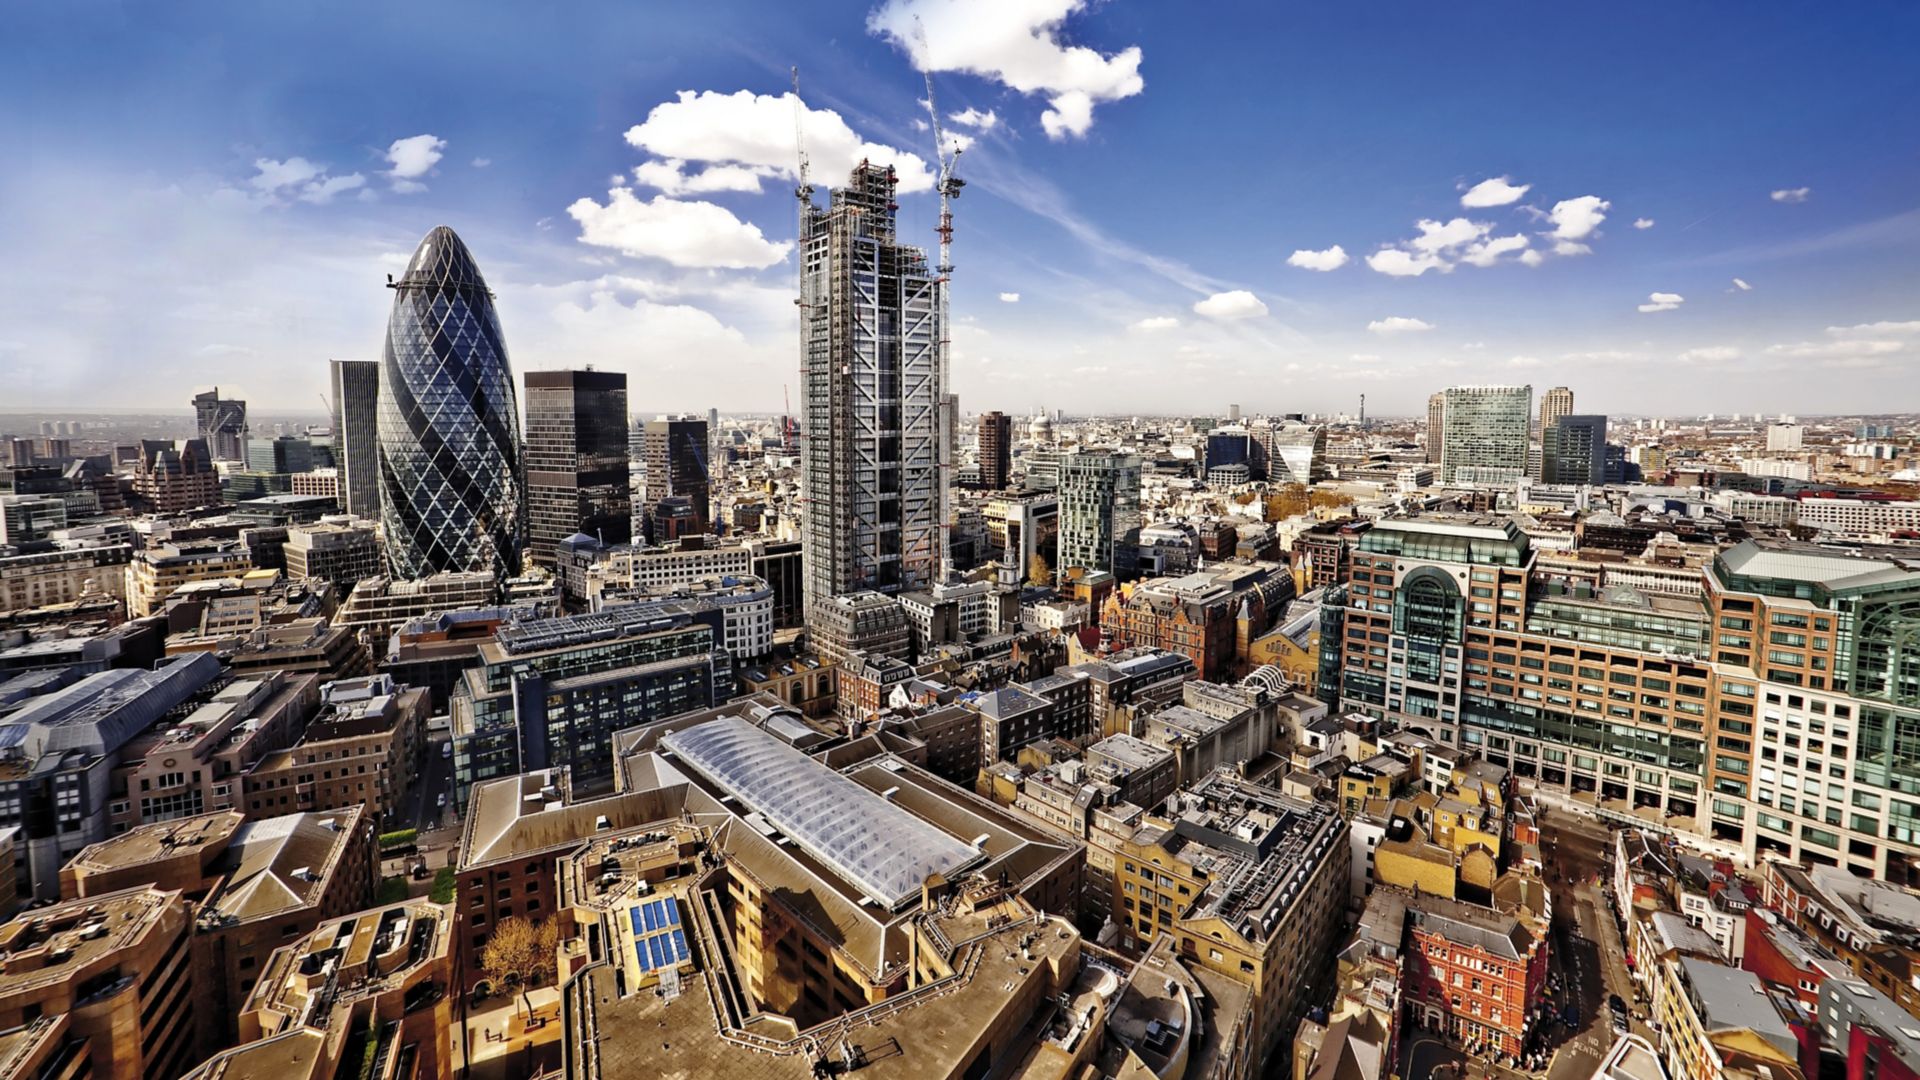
(298, 178)
(1875, 328)
(412, 158)
(1473, 346)
(1525, 362)
(1436, 236)
(1233, 304)
(693, 234)
(1532, 257)
(1742, 285)
(1662, 301)
(1016, 43)
(1397, 263)
(323, 190)
(1488, 252)
(1710, 354)
(1155, 324)
(671, 177)
(1333, 258)
(481, 162)
(1823, 350)
(1575, 219)
(754, 133)
(1643, 223)
(974, 118)
(1571, 247)
(1398, 324)
(1792, 195)
(1009, 297)
(271, 176)
(1494, 192)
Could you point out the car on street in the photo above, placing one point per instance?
(1618, 1004)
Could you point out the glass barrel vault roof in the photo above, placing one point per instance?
(877, 846)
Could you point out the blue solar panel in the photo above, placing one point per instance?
(659, 952)
(679, 946)
(640, 951)
(637, 928)
(652, 914)
(673, 912)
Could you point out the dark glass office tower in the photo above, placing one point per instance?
(677, 464)
(356, 435)
(576, 459)
(450, 474)
(1574, 450)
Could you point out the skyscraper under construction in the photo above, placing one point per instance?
(872, 368)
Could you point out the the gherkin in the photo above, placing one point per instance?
(451, 494)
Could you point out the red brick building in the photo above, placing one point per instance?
(1783, 956)
(1474, 973)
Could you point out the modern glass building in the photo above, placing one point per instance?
(1100, 512)
(451, 494)
(577, 466)
(1574, 450)
(356, 435)
(676, 449)
(1484, 436)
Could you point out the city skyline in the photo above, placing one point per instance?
(1768, 275)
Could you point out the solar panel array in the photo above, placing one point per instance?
(659, 940)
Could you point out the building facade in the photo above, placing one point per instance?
(451, 477)
(872, 329)
(1484, 434)
(1099, 512)
(995, 450)
(676, 451)
(356, 434)
(576, 460)
(222, 424)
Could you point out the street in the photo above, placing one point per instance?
(1587, 963)
(419, 808)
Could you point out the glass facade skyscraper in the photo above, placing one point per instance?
(1485, 440)
(675, 450)
(451, 495)
(1100, 511)
(356, 435)
(577, 470)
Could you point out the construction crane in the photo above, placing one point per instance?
(803, 191)
(948, 186)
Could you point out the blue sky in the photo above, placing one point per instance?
(213, 193)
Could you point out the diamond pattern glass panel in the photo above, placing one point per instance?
(451, 493)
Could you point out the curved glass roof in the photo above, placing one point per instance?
(877, 846)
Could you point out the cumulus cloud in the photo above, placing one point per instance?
(481, 162)
(691, 234)
(1525, 362)
(298, 178)
(1395, 262)
(1495, 192)
(1827, 350)
(747, 134)
(1643, 223)
(1662, 301)
(670, 176)
(1442, 245)
(412, 158)
(1018, 44)
(1532, 257)
(974, 118)
(1571, 247)
(1710, 354)
(1009, 297)
(1333, 258)
(1233, 304)
(1742, 285)
(1875, 329)
(1398, 324)
(1156, 323)
(1792, 195)
(1488, 252)
(1576, 219)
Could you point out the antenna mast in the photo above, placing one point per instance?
(948, 185)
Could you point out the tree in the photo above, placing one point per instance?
(1039, 570)
(521, 952)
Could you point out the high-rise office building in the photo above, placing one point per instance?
(449, 428)
(1436, 424)
(1484, 434)
(577, 469)
(1099, 511)
(676, 450)
(1554, 404)
(222, 423)
(995, 450)
(1574, 450)
(871, 326)
(356, 434)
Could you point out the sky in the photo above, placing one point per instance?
(1170, 207)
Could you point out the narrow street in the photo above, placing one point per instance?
(1590, 958)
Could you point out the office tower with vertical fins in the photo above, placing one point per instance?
(451, 489)
(1485, 434)
(356, 434)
